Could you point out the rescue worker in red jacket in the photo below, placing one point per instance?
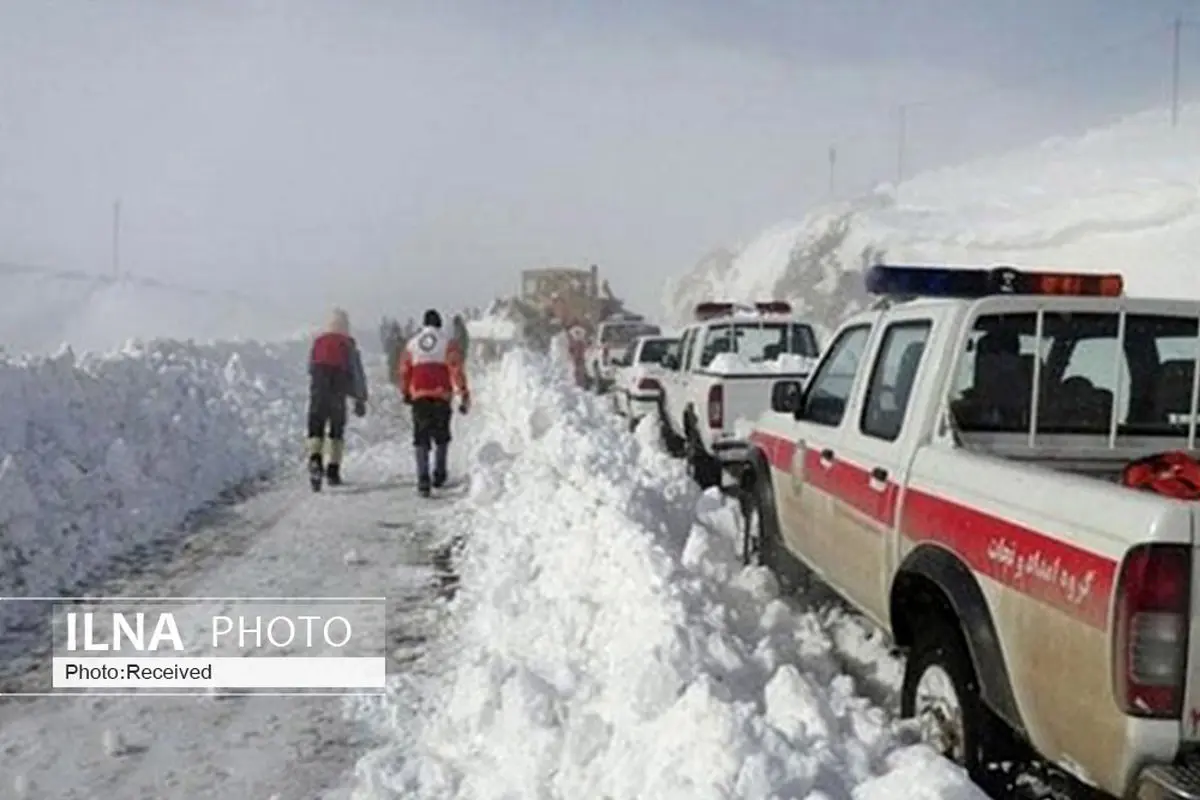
(431, 373)
(335, 372)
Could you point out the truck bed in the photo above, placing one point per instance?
(1086, 455)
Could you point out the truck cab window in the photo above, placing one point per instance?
(892, 379)
(1085, 368)
(829, 390)
(804, 341)
(756, 342)
(653, 350)
(717, 339)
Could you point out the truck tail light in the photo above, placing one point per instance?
(1150, 633)
(716, 407)
(648, 385)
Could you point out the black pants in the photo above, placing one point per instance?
(431, 422)
(326, 408)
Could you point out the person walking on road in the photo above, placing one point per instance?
(335, 373)
(431, 373)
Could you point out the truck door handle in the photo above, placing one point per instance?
(879, 474)
(827, 454)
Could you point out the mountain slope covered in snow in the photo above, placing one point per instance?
(40, 310)
(1124, 198)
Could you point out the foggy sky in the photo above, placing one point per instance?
(392, 155)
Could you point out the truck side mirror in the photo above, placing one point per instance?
(669, 361)
(785, 396)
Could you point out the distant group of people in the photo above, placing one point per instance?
(427, 365)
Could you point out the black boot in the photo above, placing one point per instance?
(333, 474)
(315, 472)
(439, 480)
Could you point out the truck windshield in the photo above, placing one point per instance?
(620, 335)
(1085, 369)
(654, 349)
(758, 342)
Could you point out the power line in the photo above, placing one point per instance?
(1168, 34)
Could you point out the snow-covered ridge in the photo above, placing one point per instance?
(40, 310)
(101, 453)
(606, 641)
(1125, 198)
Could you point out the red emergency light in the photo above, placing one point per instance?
(1075, 284)
(709, 310)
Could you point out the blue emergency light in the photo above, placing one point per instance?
(964, 282)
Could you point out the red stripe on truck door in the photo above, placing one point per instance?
(852, 485)
(1069, 578)
(844, 480)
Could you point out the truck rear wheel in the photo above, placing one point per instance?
(670, 440)
(704, 469)
(941, 692)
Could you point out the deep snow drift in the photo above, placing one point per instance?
(606, 641)
(1124, 198)
(99, 454)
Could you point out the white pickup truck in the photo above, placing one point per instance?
(613, 337)
(983, 523)
(637, 386)
(721, 380)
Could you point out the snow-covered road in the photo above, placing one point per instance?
(369, 538)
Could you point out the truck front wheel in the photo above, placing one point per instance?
(763, 543)
(941, 693)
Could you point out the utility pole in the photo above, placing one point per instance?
(901, 143)
(832, 167)
(1176, 35)
(116, 240)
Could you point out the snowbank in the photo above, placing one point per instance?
(735, 364)
(101, 454)
(606, 641)
(1124, 198)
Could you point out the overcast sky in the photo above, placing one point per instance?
(392, 155)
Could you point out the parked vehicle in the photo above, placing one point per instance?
(951, 468)
(721, 380)
(637, 386)
(613, 337)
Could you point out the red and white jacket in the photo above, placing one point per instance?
(432, 367)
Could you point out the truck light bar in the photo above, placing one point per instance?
(966, 282)
(709, 310)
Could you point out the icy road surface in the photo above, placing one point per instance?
(368, 538)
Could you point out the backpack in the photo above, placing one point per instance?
(1174, 474)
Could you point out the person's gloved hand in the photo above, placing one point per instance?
(407, 399)
(360, 408)
(464, 405)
